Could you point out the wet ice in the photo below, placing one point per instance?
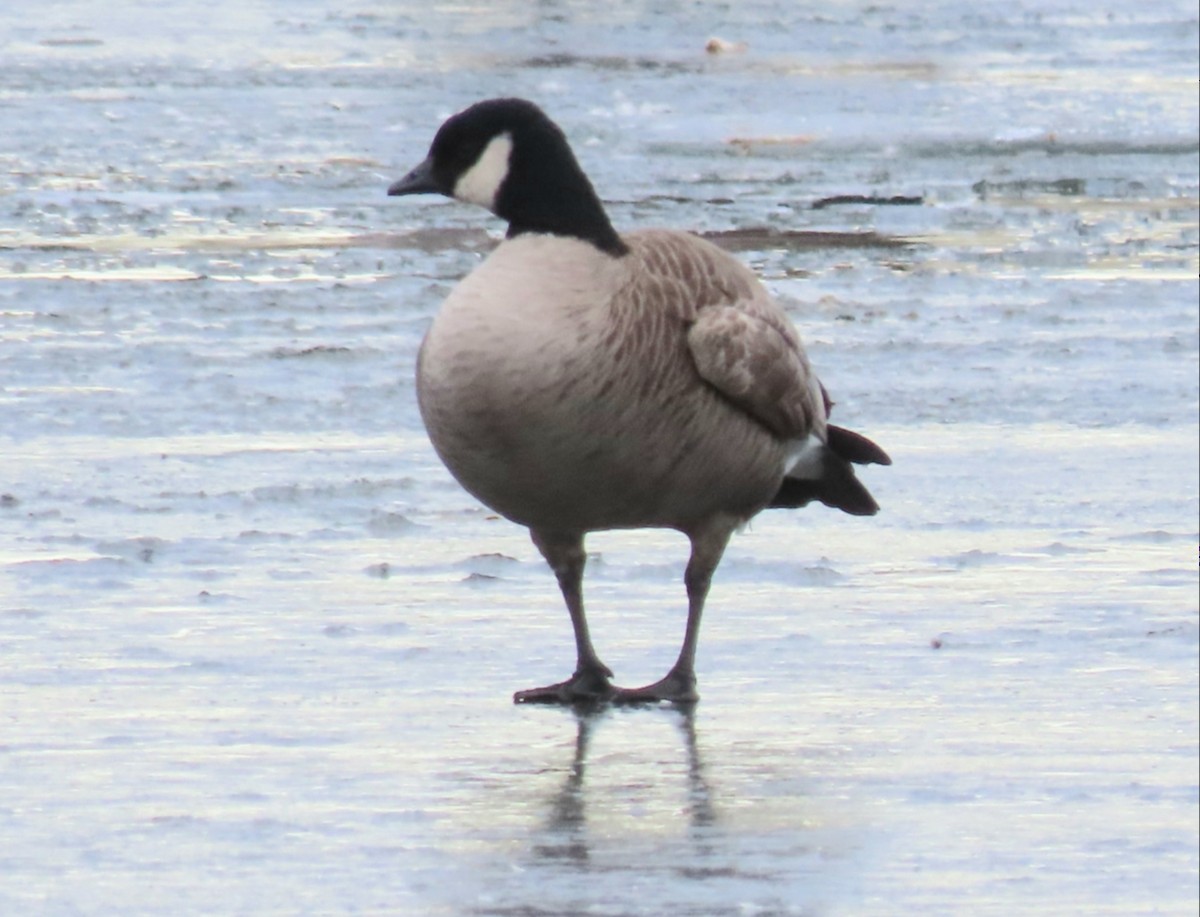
(259, 648)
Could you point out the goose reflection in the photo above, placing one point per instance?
(566, 838)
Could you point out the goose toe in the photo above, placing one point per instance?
(677, 687)
(586, 686)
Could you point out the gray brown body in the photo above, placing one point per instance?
(579, 402)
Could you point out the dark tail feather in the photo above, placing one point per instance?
(836, 485)
(854, 447)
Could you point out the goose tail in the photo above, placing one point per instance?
(824, 471)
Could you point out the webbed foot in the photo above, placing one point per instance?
(677, 687)
(586, 686)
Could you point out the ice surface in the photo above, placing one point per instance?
(258, 648)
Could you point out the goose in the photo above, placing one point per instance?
(581, 380)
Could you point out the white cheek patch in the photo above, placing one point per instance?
(480, 183)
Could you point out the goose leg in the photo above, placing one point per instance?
(590, 682)
(678, 686)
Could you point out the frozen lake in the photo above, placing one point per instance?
(257, 649)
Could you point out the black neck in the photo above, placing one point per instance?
(599, 233)
(547, 192)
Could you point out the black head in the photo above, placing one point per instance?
(507, 156)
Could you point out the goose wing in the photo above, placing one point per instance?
(743, 346)
(757, 364)
(740, 342)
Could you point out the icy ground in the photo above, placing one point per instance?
(257, 648)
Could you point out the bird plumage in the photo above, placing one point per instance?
(581, 380)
